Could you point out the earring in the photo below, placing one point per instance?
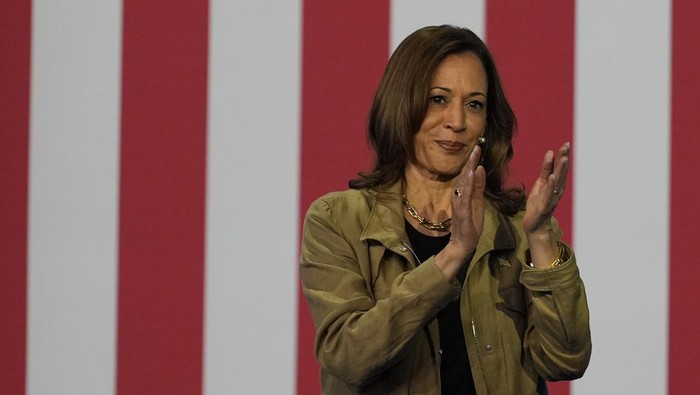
(481, 141)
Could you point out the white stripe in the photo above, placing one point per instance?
(252, 197)
(621, 190)
(409, 15)
(73, 196)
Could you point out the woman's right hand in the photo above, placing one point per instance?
(467, 216)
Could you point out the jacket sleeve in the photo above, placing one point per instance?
(558, 336)
(358, 337)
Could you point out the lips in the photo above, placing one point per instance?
(450, 146)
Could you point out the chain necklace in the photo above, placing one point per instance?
(443, 226)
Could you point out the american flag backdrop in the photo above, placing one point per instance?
(157, 157)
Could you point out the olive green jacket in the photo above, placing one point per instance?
(374, 305)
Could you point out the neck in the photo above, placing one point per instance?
(430, 196)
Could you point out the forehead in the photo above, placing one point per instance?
(462, 68)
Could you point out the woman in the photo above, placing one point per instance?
(428, 276)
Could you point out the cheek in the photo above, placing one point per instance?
(432, 120)
(420, 146)
(477, 123)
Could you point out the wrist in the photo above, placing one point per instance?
(451, 259)
(544, 233)
(561, 258)
(545, 249)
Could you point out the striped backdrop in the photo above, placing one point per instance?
(156, 159)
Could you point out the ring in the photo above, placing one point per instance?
(458, 193)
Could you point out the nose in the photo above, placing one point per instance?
(456, 118)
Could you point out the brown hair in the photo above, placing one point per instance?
(401, 102)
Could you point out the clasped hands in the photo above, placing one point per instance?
(468, 211)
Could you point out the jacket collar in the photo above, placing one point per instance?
(386, 223)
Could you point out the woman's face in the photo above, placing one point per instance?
(455, 118)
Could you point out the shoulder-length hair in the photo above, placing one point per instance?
(401, 103)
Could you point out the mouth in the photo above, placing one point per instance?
(451, 146)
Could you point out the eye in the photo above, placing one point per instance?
(437, 99)
(475, 105)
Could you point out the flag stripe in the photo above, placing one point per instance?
(73, 196)
(622, 177)
(409, 15)
(214, 97)
(345, 50)
(252, 197)
(532, 43)
(15, 39)
(162, 212)
(684, 342)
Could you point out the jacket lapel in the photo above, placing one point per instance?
(386, 222)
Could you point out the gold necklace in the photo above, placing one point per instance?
(443, 226)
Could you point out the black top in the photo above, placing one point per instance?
(455, 372)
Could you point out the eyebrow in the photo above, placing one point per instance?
(471, 94)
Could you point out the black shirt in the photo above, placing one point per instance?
(455, 372)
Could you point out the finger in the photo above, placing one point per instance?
(474, 158)
(562, 157)
(561, 170)
(561, 174)
(473, 189)
(470, 166)
(565, 149)
(469, 187)
(547, 166)
(479, 182)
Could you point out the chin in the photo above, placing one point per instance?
(453, 170)
(448, 174)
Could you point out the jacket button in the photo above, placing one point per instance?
(403, 249)
(488, 347)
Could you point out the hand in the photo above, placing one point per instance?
(468, 209)
(467, 217)
(547, 190)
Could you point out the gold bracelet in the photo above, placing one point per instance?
(561, 258)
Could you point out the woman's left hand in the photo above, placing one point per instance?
(547, 190)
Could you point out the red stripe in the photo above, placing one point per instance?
(345, 49)
(533, 43)
(162, 202)
(15, 41)
(684, 309)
